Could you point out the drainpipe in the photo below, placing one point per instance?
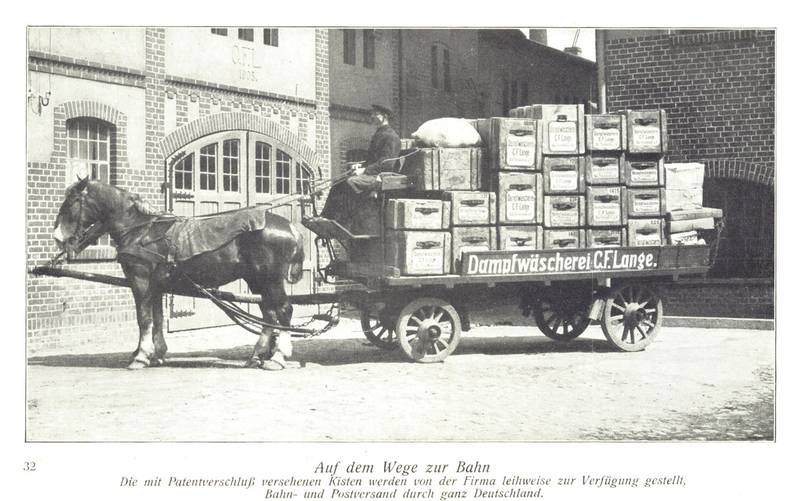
(400, 81)
(600, 49)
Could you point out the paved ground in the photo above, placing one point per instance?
(503, 383)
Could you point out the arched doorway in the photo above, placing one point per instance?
(228, 170)
(746, 248)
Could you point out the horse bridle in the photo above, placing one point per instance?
(83, 237)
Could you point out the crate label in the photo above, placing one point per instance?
(563, 180)
(520, 151)
(521, 205)
(426, 261)
(646, 136)
(642, 240)
(647, 205)
(568, 217)
(561, 236)
(563, 136)
(606, 139)
(473, 214)
(607, 212)
(649, 175)
(608, 172)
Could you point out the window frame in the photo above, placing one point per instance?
(368, 49)
(246, 34)
(223, 32)
(349, 46)
(103, 248)
(270, 37)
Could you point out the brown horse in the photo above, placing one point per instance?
(263, 255)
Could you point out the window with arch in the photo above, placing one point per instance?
(89, 152)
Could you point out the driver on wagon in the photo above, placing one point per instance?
(346, 198)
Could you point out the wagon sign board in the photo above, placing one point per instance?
(560, 261)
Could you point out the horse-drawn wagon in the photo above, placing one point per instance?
(444, 231)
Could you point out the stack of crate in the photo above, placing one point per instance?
(563, 173)
(511, 170)
(427, 229)
(606, 197)
(644, 176)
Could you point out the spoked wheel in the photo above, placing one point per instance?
(378, 327)
(429, 330)
(632, 317)
(561, 318)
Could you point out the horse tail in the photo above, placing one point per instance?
(294, 272)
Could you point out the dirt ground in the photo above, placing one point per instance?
(502, 384)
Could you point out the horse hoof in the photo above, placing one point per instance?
(253, 363)
(272, 365)
(137, 364)
(157, 362)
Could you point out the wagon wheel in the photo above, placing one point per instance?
(378, 327)
(632, 317)
(429, 329)
(561, 318)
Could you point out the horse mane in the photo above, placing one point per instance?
(144, 207)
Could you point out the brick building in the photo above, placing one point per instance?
(199, 120)
(423, 74)
(195, 120)
(718, 88)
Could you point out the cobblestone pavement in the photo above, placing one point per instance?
(502, 384)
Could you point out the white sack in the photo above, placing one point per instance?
(447, 133)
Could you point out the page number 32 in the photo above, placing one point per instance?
(29, 466)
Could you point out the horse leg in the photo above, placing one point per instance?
(158, 330)
(278, 306)
(263, 347)
(144, 298)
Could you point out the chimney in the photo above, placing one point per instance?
(538, 36)
(575, 51)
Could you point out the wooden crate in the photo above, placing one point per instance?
(645, 232)
(511, 143)
(606, 237)
(564, 211)
(605, 169)
(445, 169)
(526, 237)
(606, 133)
(416, 214)
(647, 202)
(573, 238)
(606, 206)
(471, 238)
(647, 131)
(563, 175)
(468, 208)
(644, 171)
(519, 197)
(418, 252)
(563, 130)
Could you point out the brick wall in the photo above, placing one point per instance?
(730, 298)
(718, 89)
(66, 312)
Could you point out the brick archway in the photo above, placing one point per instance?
(739, 169)
(237, 121)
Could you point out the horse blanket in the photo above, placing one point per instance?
(177, 239)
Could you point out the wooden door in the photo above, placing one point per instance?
(228, 171)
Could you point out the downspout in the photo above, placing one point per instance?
(400, 95)
(600, 49)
